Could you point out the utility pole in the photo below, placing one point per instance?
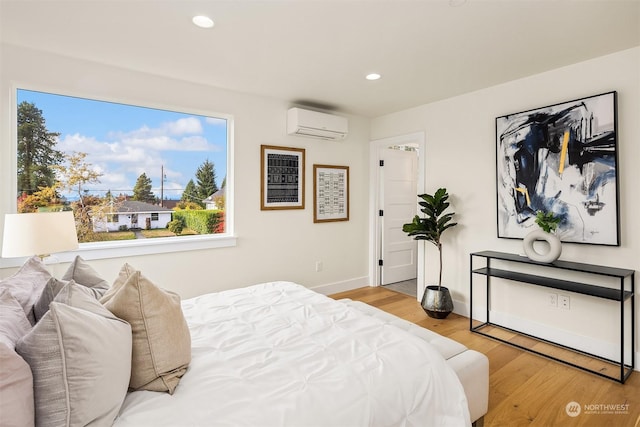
(162, 186)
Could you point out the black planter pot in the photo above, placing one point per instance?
(437, 303)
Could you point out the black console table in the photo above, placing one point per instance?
(623, 293)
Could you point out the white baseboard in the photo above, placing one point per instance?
(601, 348)
(346, 285)
(585, 343)
(460, 307)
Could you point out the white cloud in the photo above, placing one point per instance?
(179, 135)
(189, 125)
(123, 156)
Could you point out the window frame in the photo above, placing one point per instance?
(120, 249)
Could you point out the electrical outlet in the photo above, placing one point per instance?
(318, 266)
(564, 302)
(552, 300)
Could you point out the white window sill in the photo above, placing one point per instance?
(128, 248)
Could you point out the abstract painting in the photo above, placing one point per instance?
(562, 159)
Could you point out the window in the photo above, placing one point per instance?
(108, 162)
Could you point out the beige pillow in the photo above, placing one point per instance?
(27, 284)
(16, 381)
(82, 273)
(80, 357)
(161, 338)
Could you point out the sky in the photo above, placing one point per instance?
(124, 141)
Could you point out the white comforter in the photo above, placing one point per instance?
(279, 354)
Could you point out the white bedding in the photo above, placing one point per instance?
(279, 354)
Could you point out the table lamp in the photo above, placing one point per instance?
(41, 234)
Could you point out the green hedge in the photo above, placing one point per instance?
(201, 221)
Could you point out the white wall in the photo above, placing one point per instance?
(271, 245)
(460, 141)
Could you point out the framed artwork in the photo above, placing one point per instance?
(330, 193)
(281, 177)
(562, 159)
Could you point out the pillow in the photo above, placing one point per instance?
(16, 382)
(16, 389)
(13, 321)
(27, 284)
(80, 357)
(49, 292)
(161, 339)
(82, 273)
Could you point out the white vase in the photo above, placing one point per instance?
(553, 246)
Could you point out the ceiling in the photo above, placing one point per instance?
(317, 52)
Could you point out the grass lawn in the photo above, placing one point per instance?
(113, 235)
(163, 232)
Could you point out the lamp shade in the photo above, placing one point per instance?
(44, 233)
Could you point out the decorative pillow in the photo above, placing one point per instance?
(82, 273)
(161, 338)
(27, 284)
(16, 381)
(49, 292)
(16, 389)
(13, 321)
(80, 357)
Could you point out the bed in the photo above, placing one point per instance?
(77, 351)
(279, 354)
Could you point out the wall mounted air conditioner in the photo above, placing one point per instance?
(316, 125)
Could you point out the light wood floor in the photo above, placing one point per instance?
(524, 389)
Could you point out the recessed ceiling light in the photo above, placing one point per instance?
(203, 21)
(373, 76)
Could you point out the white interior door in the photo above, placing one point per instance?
(399, 175)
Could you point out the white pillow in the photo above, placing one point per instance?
(80, 356)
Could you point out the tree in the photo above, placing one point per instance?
(36, 150)
(76, 173)
(206, 180)
(142, 190)
(73, 176)
(176, 226)
(44, 197)
(190, 193)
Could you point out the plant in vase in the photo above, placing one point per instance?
(436, 300)
(548, 224)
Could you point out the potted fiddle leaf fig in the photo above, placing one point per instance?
(436, 300)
